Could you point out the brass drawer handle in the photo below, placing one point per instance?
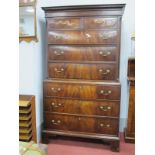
(101, 124)
(104, 54)
(56, 122)
(79, 118)
(105, 125)
(54, 105)
(88, 36)
(99, 21)
(57, 37)
(58, 53)
(54, 90)
(105, 73)
(105, 108)
(108, 125)
(103, 92)
(103, 36)
(59, 70)
(65, 23)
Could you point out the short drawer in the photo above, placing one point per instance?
(60, 122)
(103, 108)
(61, 90)
(84, 53)
(100, 22)
(83, 37)
(106, 71)
(61, 105)
(81, 124)
(63, 23)
(77, 90)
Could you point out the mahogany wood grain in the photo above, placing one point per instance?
(131, 68)
(67, 23)
(81, 95)
(106, 71)
(130, 128)
(131, 114)
(84, 13)
(83, 53)
(89, 82)
(85, 10)
(100, 22)
(82, 91)
(101, 108)
(83, 37)
(81, 123)
(63, 23)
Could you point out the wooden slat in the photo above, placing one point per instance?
(25, 110)
(24, 117)
(24, 103)
(25, 130)
(26, 137)
(25, 123)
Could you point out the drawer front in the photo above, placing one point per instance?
(100, 23)
(63, 23)
(83, 37)
(61, 105)
(103, 108)
(81, 91)
(74, 53)
(81, 124)
(61, 90)
(60, 122)
(83, 71)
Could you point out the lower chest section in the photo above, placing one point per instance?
(85, 107)
(63, 122)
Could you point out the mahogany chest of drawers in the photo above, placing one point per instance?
(82, 89)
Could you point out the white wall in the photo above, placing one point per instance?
(32, 55)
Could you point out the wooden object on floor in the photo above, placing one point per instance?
(82, 89)
(27, 118)
(130, 129)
